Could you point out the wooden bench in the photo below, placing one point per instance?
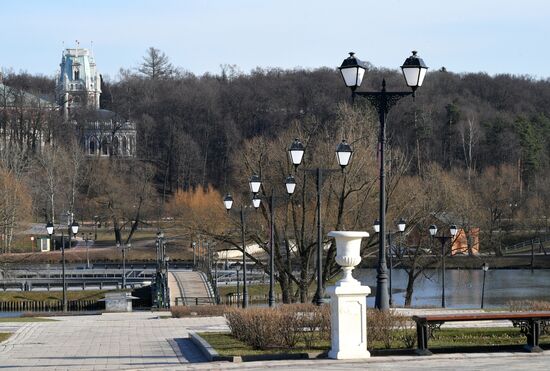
(530, 323)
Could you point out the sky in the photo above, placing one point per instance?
(493, 36)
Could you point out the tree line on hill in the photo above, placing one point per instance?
(471, 146)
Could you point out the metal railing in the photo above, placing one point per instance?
(527, 245)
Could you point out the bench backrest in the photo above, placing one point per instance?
(482, 316)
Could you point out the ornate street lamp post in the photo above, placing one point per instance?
(353, 71)
(485, 268)
(228, 203)
(255, 184)
(72, 230)
(343, 156)
(443, 239)
(401, 225)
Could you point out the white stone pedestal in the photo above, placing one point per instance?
(348, 321)
(348, 301)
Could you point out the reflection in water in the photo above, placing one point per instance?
(463, 287)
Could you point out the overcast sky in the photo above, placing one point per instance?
(494, 36)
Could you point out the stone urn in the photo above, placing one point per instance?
(348, 301)
(348, 254)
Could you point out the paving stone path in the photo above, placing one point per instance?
(146, 341)
(138, 340)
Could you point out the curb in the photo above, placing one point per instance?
(213, 356)
(206, 349)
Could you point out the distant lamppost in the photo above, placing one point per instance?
(443, 239)
(161, 277)
(124, 247)
(72, 230)
(238, 268)
(255, 185)
(96, 222)
(401, 225)
(485, 268)
(343, 156)
(194, 245)
(87, 237)
(215, 258)
(353, 70)
(228, 203)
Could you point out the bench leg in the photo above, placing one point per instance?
(422, 339)
(533, 334)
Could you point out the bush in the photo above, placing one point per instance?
(386, 327)
(280, 327)
(198, 310)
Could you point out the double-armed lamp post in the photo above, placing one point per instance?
(228, 203)
(443, 239)
(353, 71)
(343, 156)
(401, 225)
(72, 230)
(255, 185)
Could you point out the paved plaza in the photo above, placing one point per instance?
(145, 340)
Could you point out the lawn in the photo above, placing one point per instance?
(226, 345)
(4, 336)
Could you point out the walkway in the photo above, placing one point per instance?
(188, 287)
(104, 342)
(147, 341)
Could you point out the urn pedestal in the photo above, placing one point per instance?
(348, 301)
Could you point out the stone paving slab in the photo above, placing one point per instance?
(124, 341)
(146, 341)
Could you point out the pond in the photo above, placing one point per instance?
(463, 287)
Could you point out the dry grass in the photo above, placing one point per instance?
(528, 305)
(101, 254)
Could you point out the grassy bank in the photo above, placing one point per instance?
(146, 252)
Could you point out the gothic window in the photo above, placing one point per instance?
(115, 146)
(104, 147)
(124, 146)
(92, 146)
(76, 75)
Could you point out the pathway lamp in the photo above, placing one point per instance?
(485, 268)
(343, 155)
(401, 225)
(353, 71)
(443, 240)
(256, 201)
(255, 183)
(238, 269)
(51, 232)
(296, 152)
(228, 203)
(290, 184)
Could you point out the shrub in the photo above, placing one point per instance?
(387, 326)
(283, 326)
